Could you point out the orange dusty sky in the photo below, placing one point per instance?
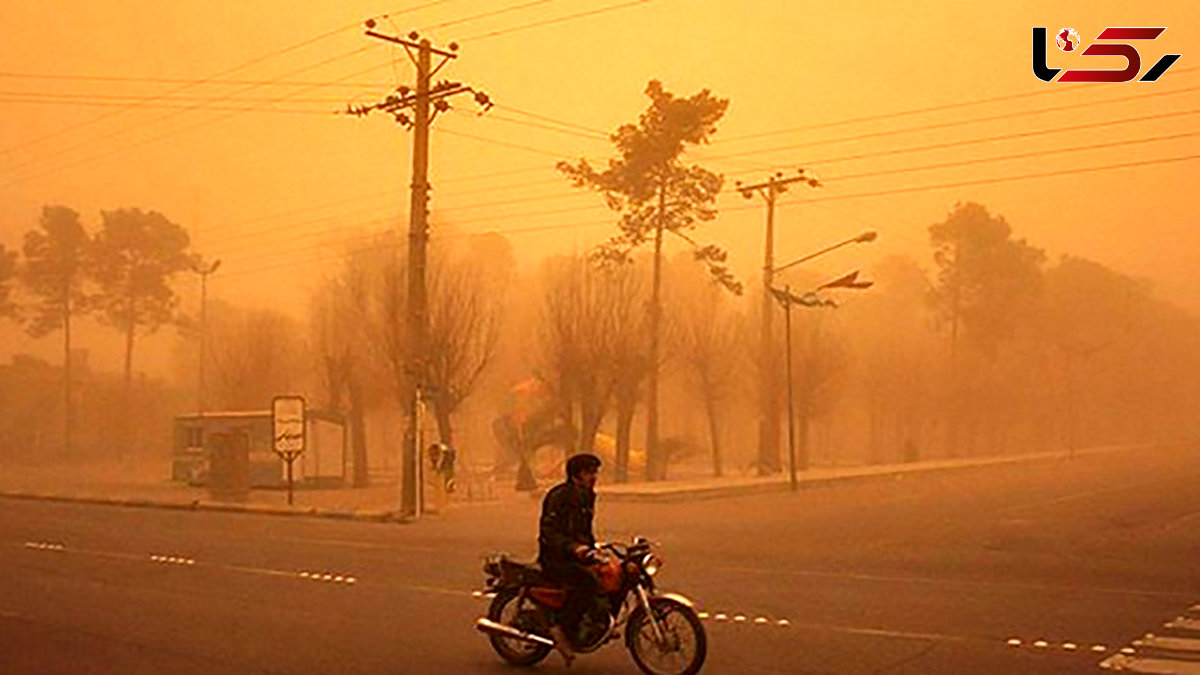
(268, 180)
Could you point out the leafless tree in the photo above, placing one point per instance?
(254, 356)
(711, 340)
(338, 315)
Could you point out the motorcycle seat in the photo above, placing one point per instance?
(510, 570)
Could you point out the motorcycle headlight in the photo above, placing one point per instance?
(651, 563)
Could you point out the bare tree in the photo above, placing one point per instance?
(254, 356)
(710, 338)
(338, 314)
(464, 325)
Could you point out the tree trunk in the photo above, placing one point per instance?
(626, 408)
(442, 409)
(656, 465)
(126, 432)
(358, 434)
(591, 417)
(710, 407)
(68, 403)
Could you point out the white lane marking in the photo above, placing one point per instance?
(1041, 644)
(720, 617)
(702, 615)
(739, 618)
(1184, 623)
(783, 622)
(932, 581)
(1099, 648)
(44, 546)
(1070, 646)
(1172, 643)
(1014, 642)
(1136, 664)
(761, 619)
(171, 559)
(1128, 650)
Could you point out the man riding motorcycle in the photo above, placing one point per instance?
(566, 544)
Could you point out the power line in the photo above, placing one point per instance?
(143, 98)
(228, 71)
(515, 146)
(1001, 179)
(913, 111)
(1000, 137)
(561, 19)
(165, 106)
(850, 177)
(484, 15)
(180, 80)
(546, 118)
(953, 123)
(145, 141)
(862, 195)
(902, 170)
(546, 127)
(1021, 155)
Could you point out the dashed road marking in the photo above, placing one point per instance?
(760, 620)
(1065, 645)
(327, 577)
(172, 559)
(1184, 623)
(45, 546)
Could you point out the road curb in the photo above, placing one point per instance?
(656, 494)
(782, 484)
(361, 515)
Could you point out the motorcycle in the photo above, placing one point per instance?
(662, 631)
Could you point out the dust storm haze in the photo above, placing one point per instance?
(728, 247)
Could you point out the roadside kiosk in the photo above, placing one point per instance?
(323, 463)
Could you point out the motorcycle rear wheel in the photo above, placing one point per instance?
(685, 644)
(504, 610)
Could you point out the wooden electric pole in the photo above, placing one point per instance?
(768, 420)
(425, 102)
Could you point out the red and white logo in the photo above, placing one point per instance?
(1110, 42)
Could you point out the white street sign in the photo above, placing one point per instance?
(287, 423)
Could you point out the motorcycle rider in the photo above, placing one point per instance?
(565, 544)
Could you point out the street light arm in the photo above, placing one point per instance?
(863, 238)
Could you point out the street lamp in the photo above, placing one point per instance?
(786, 298)
(864, 238)
(203, 270)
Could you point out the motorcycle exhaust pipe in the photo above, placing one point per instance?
(489, 626)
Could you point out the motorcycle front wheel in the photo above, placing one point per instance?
(504, 609)
(683, 644)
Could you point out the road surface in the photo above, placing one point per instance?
(1043, 568)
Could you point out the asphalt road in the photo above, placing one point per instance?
(930, 574)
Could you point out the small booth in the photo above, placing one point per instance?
(324, 462)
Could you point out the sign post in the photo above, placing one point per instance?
(288, 430)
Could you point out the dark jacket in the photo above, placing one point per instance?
(566, 522)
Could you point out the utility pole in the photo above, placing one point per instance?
(426, 101)
(768, 420)
(203, 270)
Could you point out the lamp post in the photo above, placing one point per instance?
(203, 270)
(787, 299)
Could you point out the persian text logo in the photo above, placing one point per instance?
(1067, 40)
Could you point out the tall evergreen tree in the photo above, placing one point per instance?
(135, 257)
(56, 256)
(656, 192)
